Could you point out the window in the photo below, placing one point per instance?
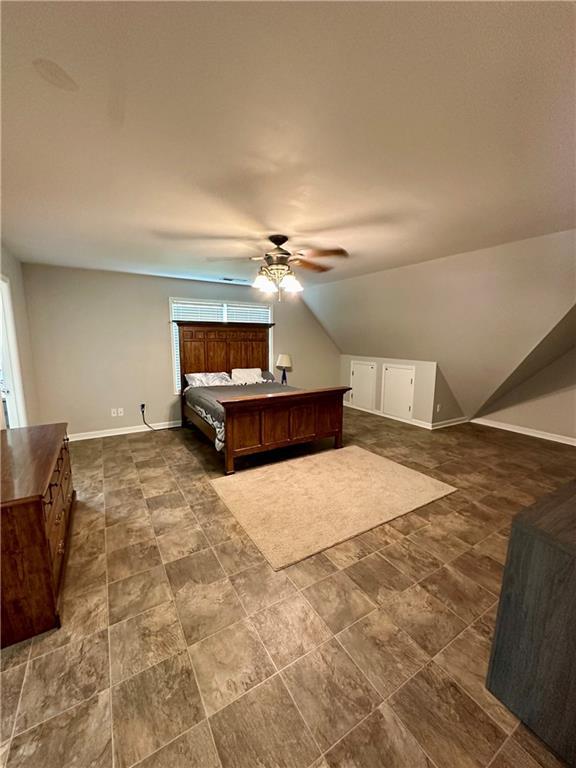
(212, 312)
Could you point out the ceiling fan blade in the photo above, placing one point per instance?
(237, 259)
(305, 264)
(174, 234)
(318, 253)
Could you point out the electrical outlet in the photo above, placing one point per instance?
(113, 412)
(120, 411)
(438, 406)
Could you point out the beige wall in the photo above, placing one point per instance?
(102, 340)
(11, 270)
(478, 314)
(545, 402)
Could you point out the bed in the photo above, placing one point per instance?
(248, 419)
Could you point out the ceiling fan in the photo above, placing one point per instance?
(298, 258)
(276, 274)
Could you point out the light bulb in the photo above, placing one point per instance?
(261, 281)
(290, 283)
(267, 286)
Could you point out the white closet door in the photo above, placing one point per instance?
(363, 383)
(398, 391)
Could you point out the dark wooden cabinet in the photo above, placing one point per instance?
(533, 663)
(37, 497)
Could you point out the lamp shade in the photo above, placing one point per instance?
(283, 362)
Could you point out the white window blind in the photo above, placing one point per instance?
(211, 312)
(247, 313)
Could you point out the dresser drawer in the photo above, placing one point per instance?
(53, 503)
(57, 520)
(57, 563)
(60, 485)
(56, 524)
(66, 479)
(56, 531)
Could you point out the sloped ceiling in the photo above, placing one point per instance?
(401, 131)
(545, 401)
(479, 315)
(556, 343)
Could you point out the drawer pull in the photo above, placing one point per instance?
(58, 518)
(60, 549)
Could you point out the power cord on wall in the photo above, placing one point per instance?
(143, 412)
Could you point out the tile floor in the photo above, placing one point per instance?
(180, 647)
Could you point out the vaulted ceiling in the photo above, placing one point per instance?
(489, 318)
(135, 135)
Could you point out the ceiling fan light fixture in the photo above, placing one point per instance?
(270, 288)
(290, 283)
(276, 275)
(264, 283)
(260, 281)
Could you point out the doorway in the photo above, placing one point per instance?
(398, 391)
(13, 412)
(363, 383)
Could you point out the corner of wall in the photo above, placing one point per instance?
(322, 325)
(446, 406)
(298, 330)
(545, 402)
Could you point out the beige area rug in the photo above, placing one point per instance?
(293, 509)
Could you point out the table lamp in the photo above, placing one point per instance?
(284, 363)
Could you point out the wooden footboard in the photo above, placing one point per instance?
(264, 422)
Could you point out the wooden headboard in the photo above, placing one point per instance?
(210, 347)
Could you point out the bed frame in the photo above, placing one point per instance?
(255, 423)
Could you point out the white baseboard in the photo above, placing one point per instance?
(121, 431)
(413, 422)
(450, 422)
(526, 431)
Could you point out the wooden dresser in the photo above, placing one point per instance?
(533, 664)
(36, 503)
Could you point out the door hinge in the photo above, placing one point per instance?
(411, 381)
(352, 373)
(409, 407)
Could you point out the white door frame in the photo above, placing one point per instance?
(405, 367)
(11, 355)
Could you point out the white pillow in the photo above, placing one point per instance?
(247, 376)
(218, 379)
